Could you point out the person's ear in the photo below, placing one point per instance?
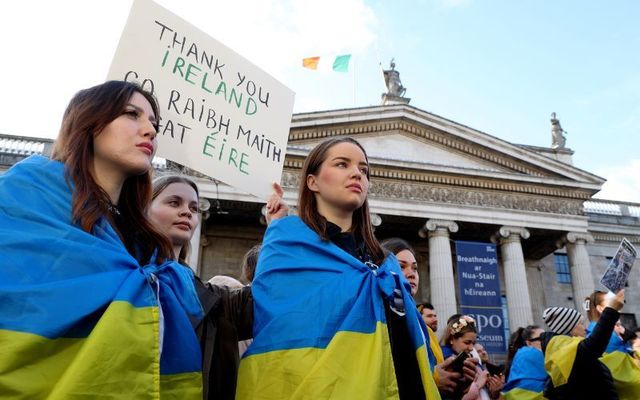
(312, 183)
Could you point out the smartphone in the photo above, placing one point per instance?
(458, 363)
(495, 369)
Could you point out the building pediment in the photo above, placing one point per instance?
(407, 139)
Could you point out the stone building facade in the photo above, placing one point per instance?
(434, 182)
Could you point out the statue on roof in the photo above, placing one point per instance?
(395, 90)
(392, 80)
(558, 139)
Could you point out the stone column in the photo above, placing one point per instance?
(515, 276)
(581, 273)
(443, 288)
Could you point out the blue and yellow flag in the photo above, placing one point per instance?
(79, 317)
(320, 328)
(527, 376)
(625, 370)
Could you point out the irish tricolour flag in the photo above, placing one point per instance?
(338, 63)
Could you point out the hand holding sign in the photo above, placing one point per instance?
(276, 206)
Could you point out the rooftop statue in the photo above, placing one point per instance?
(557, 133)
(392, 80)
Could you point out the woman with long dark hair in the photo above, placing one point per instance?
(92, 305)
(525, 372)
(333, 318)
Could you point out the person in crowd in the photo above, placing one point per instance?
(594, 304)
(571, 360)
(364, 337)
(249, 262)
(525, 371)
(429, 315)
(618, 355)
(495, 379)
(229, 313)
(84, 272)
(460, 337)
(406, 258)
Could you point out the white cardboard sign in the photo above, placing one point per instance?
(219, 114)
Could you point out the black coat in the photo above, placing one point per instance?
(228, 319)
(589, 378)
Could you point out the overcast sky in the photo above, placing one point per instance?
(498, 66)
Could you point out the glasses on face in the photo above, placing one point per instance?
(536, 339)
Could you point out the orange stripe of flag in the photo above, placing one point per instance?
(310, 62)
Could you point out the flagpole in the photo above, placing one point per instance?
(354, 80)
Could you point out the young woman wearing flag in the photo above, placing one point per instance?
(333, 318)
(92, 305)
(174, 210)
(525, 371)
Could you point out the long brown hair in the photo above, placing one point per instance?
(87, 114)
(308, 207)
(518, 340)
(159, 185)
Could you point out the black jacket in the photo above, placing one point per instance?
(228, 319)
(589, 378)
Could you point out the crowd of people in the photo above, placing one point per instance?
(98, 300)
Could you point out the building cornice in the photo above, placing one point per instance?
(403, 118)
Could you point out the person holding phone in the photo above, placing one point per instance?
(459, 340)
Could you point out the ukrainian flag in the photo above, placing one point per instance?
(320, 329)
(625, 372)
(79, 317)
(624, 369)
(527, 376)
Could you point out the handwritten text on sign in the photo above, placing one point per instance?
(219, 114)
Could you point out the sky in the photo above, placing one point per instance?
(499, 66)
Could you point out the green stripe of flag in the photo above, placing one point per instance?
(341, 63)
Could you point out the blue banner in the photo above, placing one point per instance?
(477, 265)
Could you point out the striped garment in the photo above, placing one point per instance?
(320, 328)
(79, 317)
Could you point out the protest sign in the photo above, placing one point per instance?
(477, 265)
(617, 273)
(219, 114)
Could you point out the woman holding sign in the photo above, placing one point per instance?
(332, 317)
(92, 303)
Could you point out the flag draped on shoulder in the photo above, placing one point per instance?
(320, 328)
(527, 376)
(625, 370)
(79, 317)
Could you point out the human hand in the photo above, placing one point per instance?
(469, 368)
(481, 378)
(495, 385)
(447, 380)
(276, 207)
(615, 301)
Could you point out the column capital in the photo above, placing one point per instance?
(576, 237)
(508, 232)
(434, 225)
